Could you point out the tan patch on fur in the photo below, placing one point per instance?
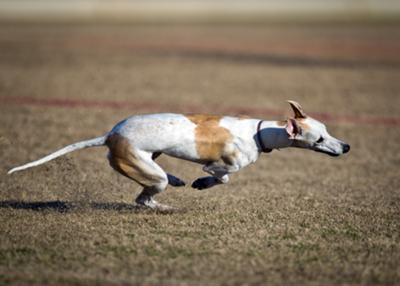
(211, 139)
(203, 118)
(229, 159)
(281, 123)
(303, 125)
(243, 117)
(300, 123)
(126, 161)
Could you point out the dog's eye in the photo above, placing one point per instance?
(320, 139)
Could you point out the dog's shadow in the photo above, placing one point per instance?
(64, 207)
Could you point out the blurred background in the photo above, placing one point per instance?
(197, 11)
(162, 55)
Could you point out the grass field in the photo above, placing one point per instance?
(295, 217)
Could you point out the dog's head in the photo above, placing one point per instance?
(306, 132)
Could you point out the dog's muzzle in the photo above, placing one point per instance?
(331, 152)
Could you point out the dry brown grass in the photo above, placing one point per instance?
(295, 217)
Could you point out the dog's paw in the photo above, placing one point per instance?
(203, 183)
(198, 184)
(176, 182)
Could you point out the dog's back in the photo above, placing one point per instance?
(199, 138)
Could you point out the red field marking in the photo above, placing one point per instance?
(188, 108)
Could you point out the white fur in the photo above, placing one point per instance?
(173, 134)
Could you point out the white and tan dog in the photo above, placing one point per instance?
(223, 144)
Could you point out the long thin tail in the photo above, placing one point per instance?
(99, 141)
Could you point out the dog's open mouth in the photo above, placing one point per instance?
(327, 153)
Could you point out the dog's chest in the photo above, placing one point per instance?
(243, 139)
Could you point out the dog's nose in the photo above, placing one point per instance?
(346, 148)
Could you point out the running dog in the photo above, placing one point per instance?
(223, 144)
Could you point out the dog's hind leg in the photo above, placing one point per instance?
(175, 181)
(172, 180)
(139, 166)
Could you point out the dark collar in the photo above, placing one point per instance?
(260, 142)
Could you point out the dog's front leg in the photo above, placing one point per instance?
(219, 176)
(220, 170)
(175, 181)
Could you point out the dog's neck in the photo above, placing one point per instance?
(273, 135)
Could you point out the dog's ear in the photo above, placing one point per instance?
(292, 128)
(297, 109)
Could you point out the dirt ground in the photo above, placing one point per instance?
(295, 217)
